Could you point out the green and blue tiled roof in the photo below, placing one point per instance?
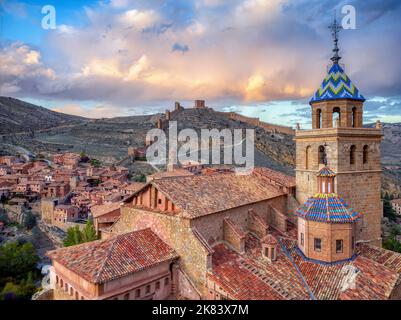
(326, 172)
(329, 208)
(337, 85)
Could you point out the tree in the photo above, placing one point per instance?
(4, 218)
(73, 238)
(140, 178)
(3, 199)
(388, 210)
(392, 244)
(89, 232)
(96, 163)
(29, 220)
(76, 236)
(17, 261)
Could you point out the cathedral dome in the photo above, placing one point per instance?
(337, 85)
(329, 208)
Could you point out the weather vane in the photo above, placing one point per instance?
(335, 28)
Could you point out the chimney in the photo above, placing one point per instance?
(167, 115)
(199, 104)
(177, 106)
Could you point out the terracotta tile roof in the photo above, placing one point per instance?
(99, 210)
(372, 274)
(396, 201)
(201, 195)
(269, 239)
(105, 260)
(387, 258)
(175, 173)
(280, 178)
(329, 281)
(134, 186)
(250, 276)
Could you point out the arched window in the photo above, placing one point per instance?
(336, 117)
(322, 155)
(352, 155)
(307, 157)
(365, 154)
(318, 118)
(354, 117)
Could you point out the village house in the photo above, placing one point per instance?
(8, 160)
(396, 205)
(69, 160)
(105, 215)
(63, 214)
(94, 271)
(56, 190)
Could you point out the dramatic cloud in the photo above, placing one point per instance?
(136, 53)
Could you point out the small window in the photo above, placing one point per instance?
(137, 293)
(126, 296)
(166, 281)
(148, 289)
(272, 253)
(352, 155)
(318, 244)
(159, 201)
(157, 285)
(322, 155)
(339, 246)
(365, 154)
(57, 279)
(266, 252)
(302, 239)
(76, 296)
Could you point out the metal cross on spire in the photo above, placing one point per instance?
(335, 28)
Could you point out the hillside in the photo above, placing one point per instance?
(19, 116)
(109, 139)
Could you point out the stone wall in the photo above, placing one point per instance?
(233, 235)
(256, 122)
(328, 233)
(257, 224)
(359, 183)
(211, 226)
(195, 257)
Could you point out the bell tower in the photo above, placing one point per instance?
(339, 140)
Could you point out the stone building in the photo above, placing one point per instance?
(352, 151)
(396, 204)
(247, 236)
(133, 266)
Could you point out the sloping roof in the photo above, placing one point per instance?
(337, 85)
(328, 208)
(279, 177)
(249, 276)
(105, 260)
(200, 195)
(99, 210)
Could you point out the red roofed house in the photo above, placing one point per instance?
(133, 266)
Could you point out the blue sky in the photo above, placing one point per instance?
(258, 57)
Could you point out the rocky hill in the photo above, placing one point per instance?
(19, 116)
(42, 131)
